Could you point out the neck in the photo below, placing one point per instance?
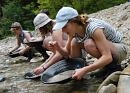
(81, 31)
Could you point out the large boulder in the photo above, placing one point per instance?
(111, 79)
(111, 88)
(124, 81)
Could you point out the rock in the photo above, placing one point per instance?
(124, 81)
(36, 59)
(111, 79)
(111, 88)
(2, 78)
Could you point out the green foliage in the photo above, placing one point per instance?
(96, 5)
(53, 6)
(17, 10)
(83, 6)
(24, 11)
(12, 11)
(4, 24)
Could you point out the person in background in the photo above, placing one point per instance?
(44, 25)
(21, 36)
(95, 36)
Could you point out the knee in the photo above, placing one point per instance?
(89, 44)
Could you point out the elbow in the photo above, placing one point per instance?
(109, 59)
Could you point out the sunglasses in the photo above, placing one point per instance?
(14, 28)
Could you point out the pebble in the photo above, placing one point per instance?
(2, 78)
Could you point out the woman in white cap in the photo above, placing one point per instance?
(21, 36)
(44, 25)
(96, 37)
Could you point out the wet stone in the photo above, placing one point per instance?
(2, 78)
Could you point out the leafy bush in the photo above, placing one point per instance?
(87, 6)
(5, 28)
(24, 11)
(15, 11)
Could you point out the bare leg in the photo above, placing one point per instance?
(24, 50)
(91, 48)
(76, 49)
(27, 52)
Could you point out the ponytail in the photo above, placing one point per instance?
(84, 18)
(80, 20)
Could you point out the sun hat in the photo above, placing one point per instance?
(40, 20)
(63, 15)
(61, 72)
(15, 25)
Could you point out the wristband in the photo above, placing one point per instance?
(43, 68)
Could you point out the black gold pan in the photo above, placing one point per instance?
(31, 75)
(60, 78)
(61, 72)
(35, 43)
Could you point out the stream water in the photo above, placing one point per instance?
(14, 69)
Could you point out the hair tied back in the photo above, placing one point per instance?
(84, 18)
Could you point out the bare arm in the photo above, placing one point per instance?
(62, 44)
(17, 46)
(55, 58)
(64, 51)
(51, 56)
(28, 37)
(104, 49)
(57, 36)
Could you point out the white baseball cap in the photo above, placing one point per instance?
(63, 15)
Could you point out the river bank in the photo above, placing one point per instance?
(13, 69)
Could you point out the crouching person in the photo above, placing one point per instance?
(21, 35)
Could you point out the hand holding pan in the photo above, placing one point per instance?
(61, 72)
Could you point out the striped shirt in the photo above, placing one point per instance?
(110, 32)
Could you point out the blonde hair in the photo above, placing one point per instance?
(80, 20)
(84, 18)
